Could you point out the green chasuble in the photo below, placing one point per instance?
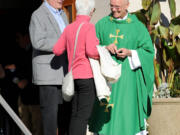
(131, 98)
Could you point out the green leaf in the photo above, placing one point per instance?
(157, 71)
(175, 29)
(170, 55)
(168, 61)
(154, 35)
(171, 79)
(164, 32)
(172, 5)
(140, 14)
(146, 4)
(176, 20)
(178, 46)
(148, 12)
(156, 12)
(164, 55)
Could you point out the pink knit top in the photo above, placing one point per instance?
(86, 46)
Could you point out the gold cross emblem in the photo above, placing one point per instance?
(128, 20)
(111, 18)
(116, 37)
(106, 104)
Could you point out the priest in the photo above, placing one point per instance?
(130, 102)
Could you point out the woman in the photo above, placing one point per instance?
(83, 100)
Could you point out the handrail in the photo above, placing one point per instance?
(14, 116)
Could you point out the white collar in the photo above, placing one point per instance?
(124, 18)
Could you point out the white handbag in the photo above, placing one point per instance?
(68, 81)
(68, 86)
(106, 71)
(109, 68)
(102, 88)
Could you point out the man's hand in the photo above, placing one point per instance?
(123, 52)
(112, 48)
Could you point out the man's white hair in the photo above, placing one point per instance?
(84, 7)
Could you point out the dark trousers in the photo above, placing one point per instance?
(50, 100)
(82, 105)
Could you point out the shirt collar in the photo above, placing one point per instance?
(124, 18)
(52, 9)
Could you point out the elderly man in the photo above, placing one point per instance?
(131, 98)
(46, 25)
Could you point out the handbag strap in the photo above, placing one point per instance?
(76, 42)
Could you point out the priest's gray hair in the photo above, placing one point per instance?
(84, 7)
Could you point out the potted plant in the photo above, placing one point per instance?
(165, 35)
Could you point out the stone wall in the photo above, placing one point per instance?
(165, 118)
